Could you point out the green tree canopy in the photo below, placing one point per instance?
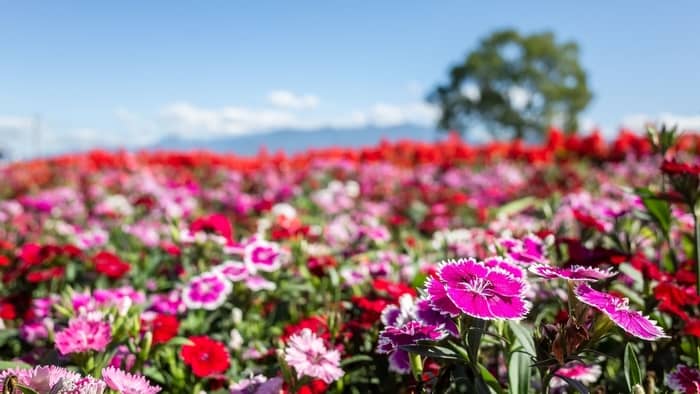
(515, 86)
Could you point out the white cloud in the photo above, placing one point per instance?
(288, 100)
(638, 122)
(188, 120)
(14, 125)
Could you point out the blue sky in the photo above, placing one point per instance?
(126, 73)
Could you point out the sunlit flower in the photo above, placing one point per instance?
(575, 272)
(618, 310)
(479, 291)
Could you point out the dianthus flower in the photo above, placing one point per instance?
(308, 355)
(206, 291)
(471, 287)
(205, 356)
(126, 383)
(618, 310)
(82, 335)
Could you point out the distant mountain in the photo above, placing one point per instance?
(292, 141)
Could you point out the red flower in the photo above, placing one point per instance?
(673, 167)
(4, 261)
(110, 265)
(30, 254)
(316, 324)
(692, 327)
(205, 356)
(392, 289)
(318, 265)
(316, 386)
(164, 327)
(7, 311)
(45, 275)
(214, 223)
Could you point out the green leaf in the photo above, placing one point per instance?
(13, 364)
(433, 351)
(575, 384)
(516, 206)
(491, 380)
(179, 341)
(659, 210)
(519, 368)
(360, 358)
(26, 390)
(633, 374)
(7, 334)
(523, 336)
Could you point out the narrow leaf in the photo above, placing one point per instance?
(633, 374)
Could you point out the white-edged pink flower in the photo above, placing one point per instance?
(575, 272)
(262, 255)
(618, 310)
(583, 373)
(83, 334)
(308, 355)
(471, 287)
(206, 291)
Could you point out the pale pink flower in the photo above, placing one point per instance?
(583, 373)
(308, 355)
(126, 383)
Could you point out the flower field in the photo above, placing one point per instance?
(407, 267)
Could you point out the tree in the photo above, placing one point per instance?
(515, 86)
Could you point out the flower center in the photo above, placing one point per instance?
(478, 285)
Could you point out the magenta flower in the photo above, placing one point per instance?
(234, 271)
(82, 335)
(206, 291)
(126, 383)
(427, 315)
(618, 310)
(470, 287)
(391, 338)
(262, 255)
(583, 373)
(527, 250)
(684, 379)
(575, 272)
(308, 355)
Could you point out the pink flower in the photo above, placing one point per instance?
(233, 270)
(585, 374)
(45, 379)
(83, 335)
(575, 272)
(392, 338)
(684, 379)
(308, 355)
(206, 291)
(127, 383)
(262, 255)
(618, 310)
(529, 249)
(480, 291)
